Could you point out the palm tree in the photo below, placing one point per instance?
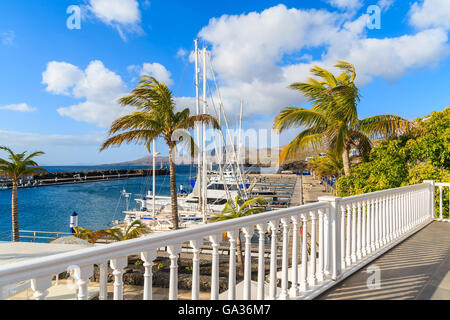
(327, 166)
(333, 120)
(156, 117)
(239, 209)
(19, 165)
(89, 235)
(133, 231)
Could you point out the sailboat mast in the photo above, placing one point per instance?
(154, 179)
(204, 164)
(197, 105)
(240, 137)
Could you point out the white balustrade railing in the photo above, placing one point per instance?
(442, 187)
(331, 239)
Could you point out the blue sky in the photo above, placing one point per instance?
(58, 87)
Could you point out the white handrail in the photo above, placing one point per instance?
(346, 234)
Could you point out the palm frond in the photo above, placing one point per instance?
(297, 117)
(136, 136)
(307, 139)
(384, 126)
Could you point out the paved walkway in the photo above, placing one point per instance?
(312, 190)
(417, 269)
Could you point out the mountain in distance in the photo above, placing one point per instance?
(145, 161)
(261, 156)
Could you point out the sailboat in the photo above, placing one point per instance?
(211, 188)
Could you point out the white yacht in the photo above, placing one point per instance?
(189, 206)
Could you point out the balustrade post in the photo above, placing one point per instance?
(118, 265)
(232, 235)
(431, 204)
(248, 232)
(173, 251)
(103, 295)
(398, 202)
(348, 257)
(372, 226)
(359, 233)
(312, 279)
(148, 257)
(273, 260)
(261, 260)
(82, 275)
(40, 287)
(335, 244)
(196, 246)
(320, 274)
(404, 214)
(342, 234)
(304, 268)
(364, 230)
(215, 240)
(377, 224)
(284, 295)
(353, 255)
(326, 244)
(441, 204)
(384, 220)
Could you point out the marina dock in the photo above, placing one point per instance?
(64, 178)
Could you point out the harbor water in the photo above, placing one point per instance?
(97, 203)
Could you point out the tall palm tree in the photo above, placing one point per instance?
(239, 209)
(18, 166)
(333, 120)
(156, 116)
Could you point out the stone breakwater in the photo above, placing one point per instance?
(59, 178)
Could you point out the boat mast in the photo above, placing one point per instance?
(154, 179)
(204, 164)
(197, 105)
(240, 138)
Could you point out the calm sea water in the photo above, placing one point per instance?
(97, 204)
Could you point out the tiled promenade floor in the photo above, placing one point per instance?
(419, 268)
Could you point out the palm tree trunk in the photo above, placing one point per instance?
(173, 190)
(346, 161)
(15, 213)
(240, 259)
(302, 201)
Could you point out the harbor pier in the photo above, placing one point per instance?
(63, 178)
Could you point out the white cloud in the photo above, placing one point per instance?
(248, 47)
(61, 76)
(391, 58)
(182, 53)
(8, 37)
(97, 86)
(124, 15)
(156, 70)
(22, 107)
(385, 4)
(249, 53)
(430, 13)
(346, 4)
(37, 140)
